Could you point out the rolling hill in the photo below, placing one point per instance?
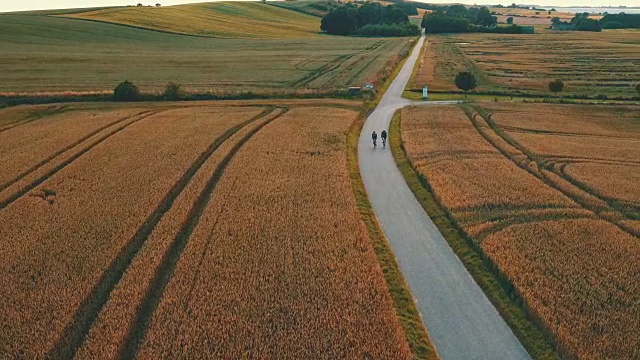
(222, 19)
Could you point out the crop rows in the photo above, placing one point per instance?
(99, 200)
(566, 240)
(227, 230)
(603, 64)
(295, 273)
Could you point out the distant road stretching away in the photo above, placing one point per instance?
(461, 321)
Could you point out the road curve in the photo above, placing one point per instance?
(461, 321)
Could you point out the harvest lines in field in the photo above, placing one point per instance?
(61, 165)
(65, 149)
(155, 290)
(558, 167)
(88, 312)
(605, 209)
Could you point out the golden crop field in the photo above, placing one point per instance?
(605, 63)
(220, 228)
(549, 192)
(221, 19)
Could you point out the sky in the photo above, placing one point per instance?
(19, 5)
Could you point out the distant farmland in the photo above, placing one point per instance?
(222, 19)
(42, 53)
(171, 229)
(606, 63)
(550, 193)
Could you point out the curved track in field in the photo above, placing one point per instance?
(461, 321)
(86, 315)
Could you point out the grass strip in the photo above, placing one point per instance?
(417, 337)
(493, 283)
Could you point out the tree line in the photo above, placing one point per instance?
(370, 19)
(459, 19)
(582, 22)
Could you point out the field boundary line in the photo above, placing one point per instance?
(155, 290)
(529, 157)
(535, 338)
(18, 194)
(86, 315)
(404, 305)
(65, 149)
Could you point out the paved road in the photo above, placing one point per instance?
(461, 321)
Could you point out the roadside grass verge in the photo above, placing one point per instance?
(495, 285)
(409, 317)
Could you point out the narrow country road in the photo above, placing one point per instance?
(461, 321)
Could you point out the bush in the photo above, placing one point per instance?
(556, 86)
(406, 29)
(466, 81)
(126, 91)
(172, 92)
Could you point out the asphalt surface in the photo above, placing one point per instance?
(461, 321)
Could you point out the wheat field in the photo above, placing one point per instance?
(549, 193)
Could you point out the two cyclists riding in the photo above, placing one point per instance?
(383, 135)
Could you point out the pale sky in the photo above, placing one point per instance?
(19, 5)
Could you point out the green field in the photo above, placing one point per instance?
(221, 19)
(311, 7)
(42, 54)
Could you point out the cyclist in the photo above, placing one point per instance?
(374, 137)
(383, 135)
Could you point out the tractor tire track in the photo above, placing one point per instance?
(86, 315)
(24, 190)
(527, 159)
(558, 169)
(67, 148)
(140, 325)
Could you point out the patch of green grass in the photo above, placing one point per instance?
(409, 317)
(41, 54)
(497, 288)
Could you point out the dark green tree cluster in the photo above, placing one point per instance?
(581, 22)
(459, 18)
(620, 21)
(409, 8)
(369, 19)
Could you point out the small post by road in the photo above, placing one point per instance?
(425, 94)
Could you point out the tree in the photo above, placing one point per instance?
(457, 11)
(465, 81)
(126, 91)
(510, 20)
(555, 20)
(172, 92)
(556, 86)
(484, 17)
(408, 8)
(341, 21)
(394, 15)
(638, 89)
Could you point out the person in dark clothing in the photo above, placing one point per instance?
(383, 134)
(374, 137)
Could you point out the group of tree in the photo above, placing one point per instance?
(582, 22)
(371, 19)
(459, 18)
(127, 91)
